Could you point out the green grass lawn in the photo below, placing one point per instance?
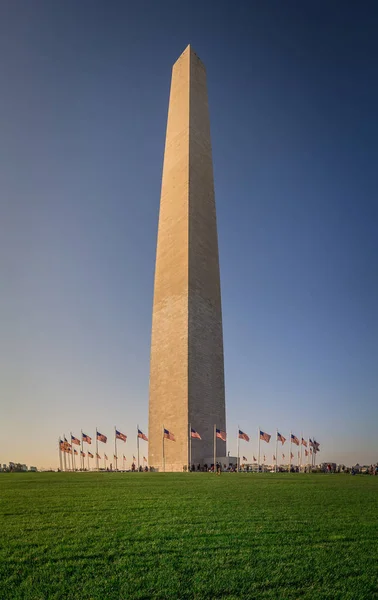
(135, 535)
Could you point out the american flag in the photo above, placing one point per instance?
(90, 454)
(134, 457)
(74, 440)
(124, 457)
(274, 458)
(281, 438)
(82, 453)
(243, 436)
(106, 458)
(121, 436)
(101, 437)
(316, 446)
(86, 438)
(75, 451)
(97, 455)
(265, 436)
(304, 443)
(311, 443)
(306, 452)
(291, 455)
(283, 457)
(169, 436)
(220, 434)
(115, 457)
(294, 439)
(142, 436)
(245, 458)
(254, 458)
(195, 434)
(145, 459)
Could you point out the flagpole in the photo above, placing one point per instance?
(258, 456)
(82, 450)
(290, 455)
(96, 451)
(115, 448)
(163, 453)
(64, 452)
(60, 455)
(276, 448)
(71, 450)
(215, 445)
(190, 447)
(88, 459)
(301, 448)
(238, 442)
(138, 445)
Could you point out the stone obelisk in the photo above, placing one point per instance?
(187, 367)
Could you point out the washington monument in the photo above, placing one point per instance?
(187, 368)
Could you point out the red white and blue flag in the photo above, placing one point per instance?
(74, 440)
(75, 451)
(245, 458)
(90, 454)
(304, 443)
(274, 458)
(115, 457)
(86, 438)
(311, 443)
(254, 458)
(142, 436)
(82, 453)
(195, 434)
(221, 434)
(243, 436)
(145, 459)
(101, 437)
(97, 455)
(106, 458)
(121, 436)
(265, 437)
(294, 439)
(316, 446)
(281, 438)
(169, 436)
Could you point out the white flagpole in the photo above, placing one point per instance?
(72, 462)
(64, 452)
(190, 447)
(258, 456)
(96, 451)
(163, 452)
(301, 448)
(215, 445)
(238, 442)
(138, 446)
(82, 450)
(115, 448)
(60, 455)
(88, 459)
(290, 454)
(276, 448)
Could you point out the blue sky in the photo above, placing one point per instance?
(293, 99)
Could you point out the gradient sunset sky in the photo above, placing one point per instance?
(293, 100)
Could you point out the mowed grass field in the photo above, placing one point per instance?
(135, 535)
